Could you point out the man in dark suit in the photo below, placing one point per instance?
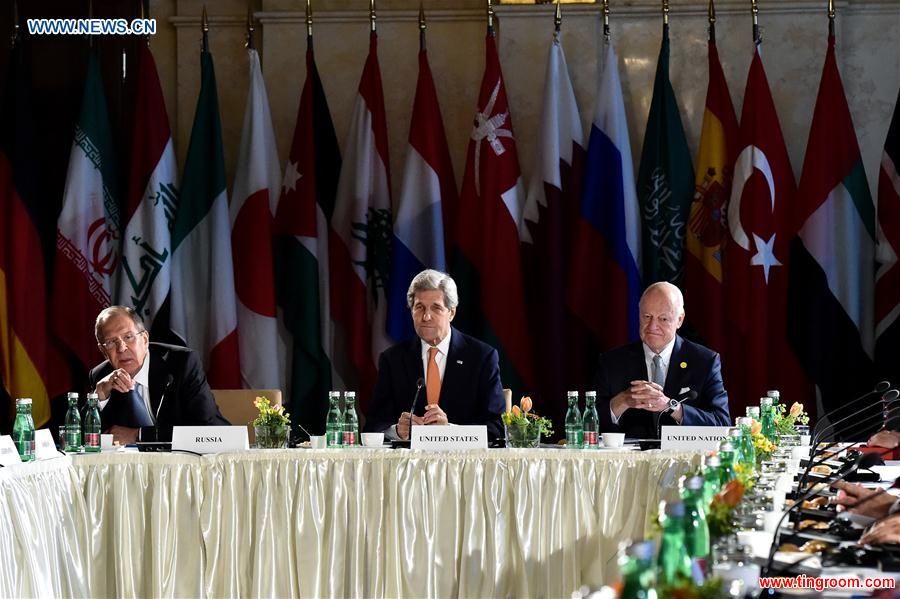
(461, 374)
(636, 383)
(147, 388)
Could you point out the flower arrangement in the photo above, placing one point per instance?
(523, 426)
(764, 448)
(721, 518)
(786, 421)
(269, 415)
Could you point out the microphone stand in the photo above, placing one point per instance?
(879, 388)
(420, 382)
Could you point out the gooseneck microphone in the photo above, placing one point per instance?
(419, 384)
(879, 388)
(865, 460)
(689, 395)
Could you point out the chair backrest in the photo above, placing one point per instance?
(237, 406)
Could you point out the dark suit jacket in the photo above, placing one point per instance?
(471, 392)
(702, 373)
(179, 393)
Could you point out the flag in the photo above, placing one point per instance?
(87, 236)
(706, 230)
(202, 297)
(24, 367)
(360, 247)
(605, 279)
(832, 257)
(487, 260)
(887, 281)
(428, 183)
(551, 210)
(664, 183)
(257, 182)
(760, 212)
(151, 201)
(301, 250)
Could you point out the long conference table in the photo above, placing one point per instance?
(326, 523)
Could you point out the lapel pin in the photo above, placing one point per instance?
(459, 361)
(683, 365)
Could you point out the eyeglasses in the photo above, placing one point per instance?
(128, 339)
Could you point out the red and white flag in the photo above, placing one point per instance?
(254, 198)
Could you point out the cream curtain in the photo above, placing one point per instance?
(329, 523)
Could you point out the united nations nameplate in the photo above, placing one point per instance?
(692, 438)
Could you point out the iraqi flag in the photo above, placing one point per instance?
(551, 211)
(487, 260)
(760, 217)
(151, 201)
(605, 278)
(887, 277)
(360, 245)
(87, 236)
(301, 250)
(707, 233)
(832, 268)
(257, 183)
(202, 298)
(665, 180)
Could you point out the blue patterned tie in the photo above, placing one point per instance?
(133, 411)
(657, 375)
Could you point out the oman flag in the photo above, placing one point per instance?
(887, 278)
(151, 201)
(706, 231)
(301, 249)
(87, 237)
(428, 188)
(202, 299)
(760, 213)
(487, 261)
(360, 245)
(256, 188)
(551, 211)
(832, 270)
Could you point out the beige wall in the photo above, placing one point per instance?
(868, 46)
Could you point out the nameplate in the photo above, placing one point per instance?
(44, 445)
(691, 438)
(448, 437)
(9, 455)
(210, 439)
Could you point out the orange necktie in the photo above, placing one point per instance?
(433, 378)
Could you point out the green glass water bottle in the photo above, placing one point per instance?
(726, 462)
(72, 443)
(574, 432)
(334, 422)
(92, 425)
(673, 563)
(23, 429)
(638, 574)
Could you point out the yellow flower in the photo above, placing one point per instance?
(796, 409)
(525, 402)
(683, 365)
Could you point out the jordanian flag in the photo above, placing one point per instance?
(87, 239)
(832, 259)
(203, 300)
(665, 183)
(301, 249)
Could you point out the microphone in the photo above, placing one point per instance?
(820, 433)
(162, 398)
(879, 388)
(420, 382)
(689, 395)
(865, 460)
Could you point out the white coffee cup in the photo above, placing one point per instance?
(106, 442)
(317, 441)
(613, 439)
(373, 439)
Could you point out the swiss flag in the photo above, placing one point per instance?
(760, 220)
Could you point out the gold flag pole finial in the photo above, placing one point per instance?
(308, 19)
(606, 20)
(250, 45)
(711, 15)
(557, 18)
(490, 17)
(422, 25)
(754, 10)
(831, 18)
(204, 26)
(372, 16)
(665, 10)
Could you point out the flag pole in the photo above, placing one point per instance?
(422, 26)
(665, 11)
(372, 16)
(490, 18)
(557, 19)
(711, 13)
(204, 26)
(831, 18)
(14, 36)
(250, 44)
(606, 21)
(309, 21)
(754, 10)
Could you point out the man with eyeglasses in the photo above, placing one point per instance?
(147, 388)
(460, 375)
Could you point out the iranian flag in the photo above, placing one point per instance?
(360, 244)
(151, 201)
(257, 183)
(202, 299)
(87, 236)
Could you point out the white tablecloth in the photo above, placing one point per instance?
(365, 523)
